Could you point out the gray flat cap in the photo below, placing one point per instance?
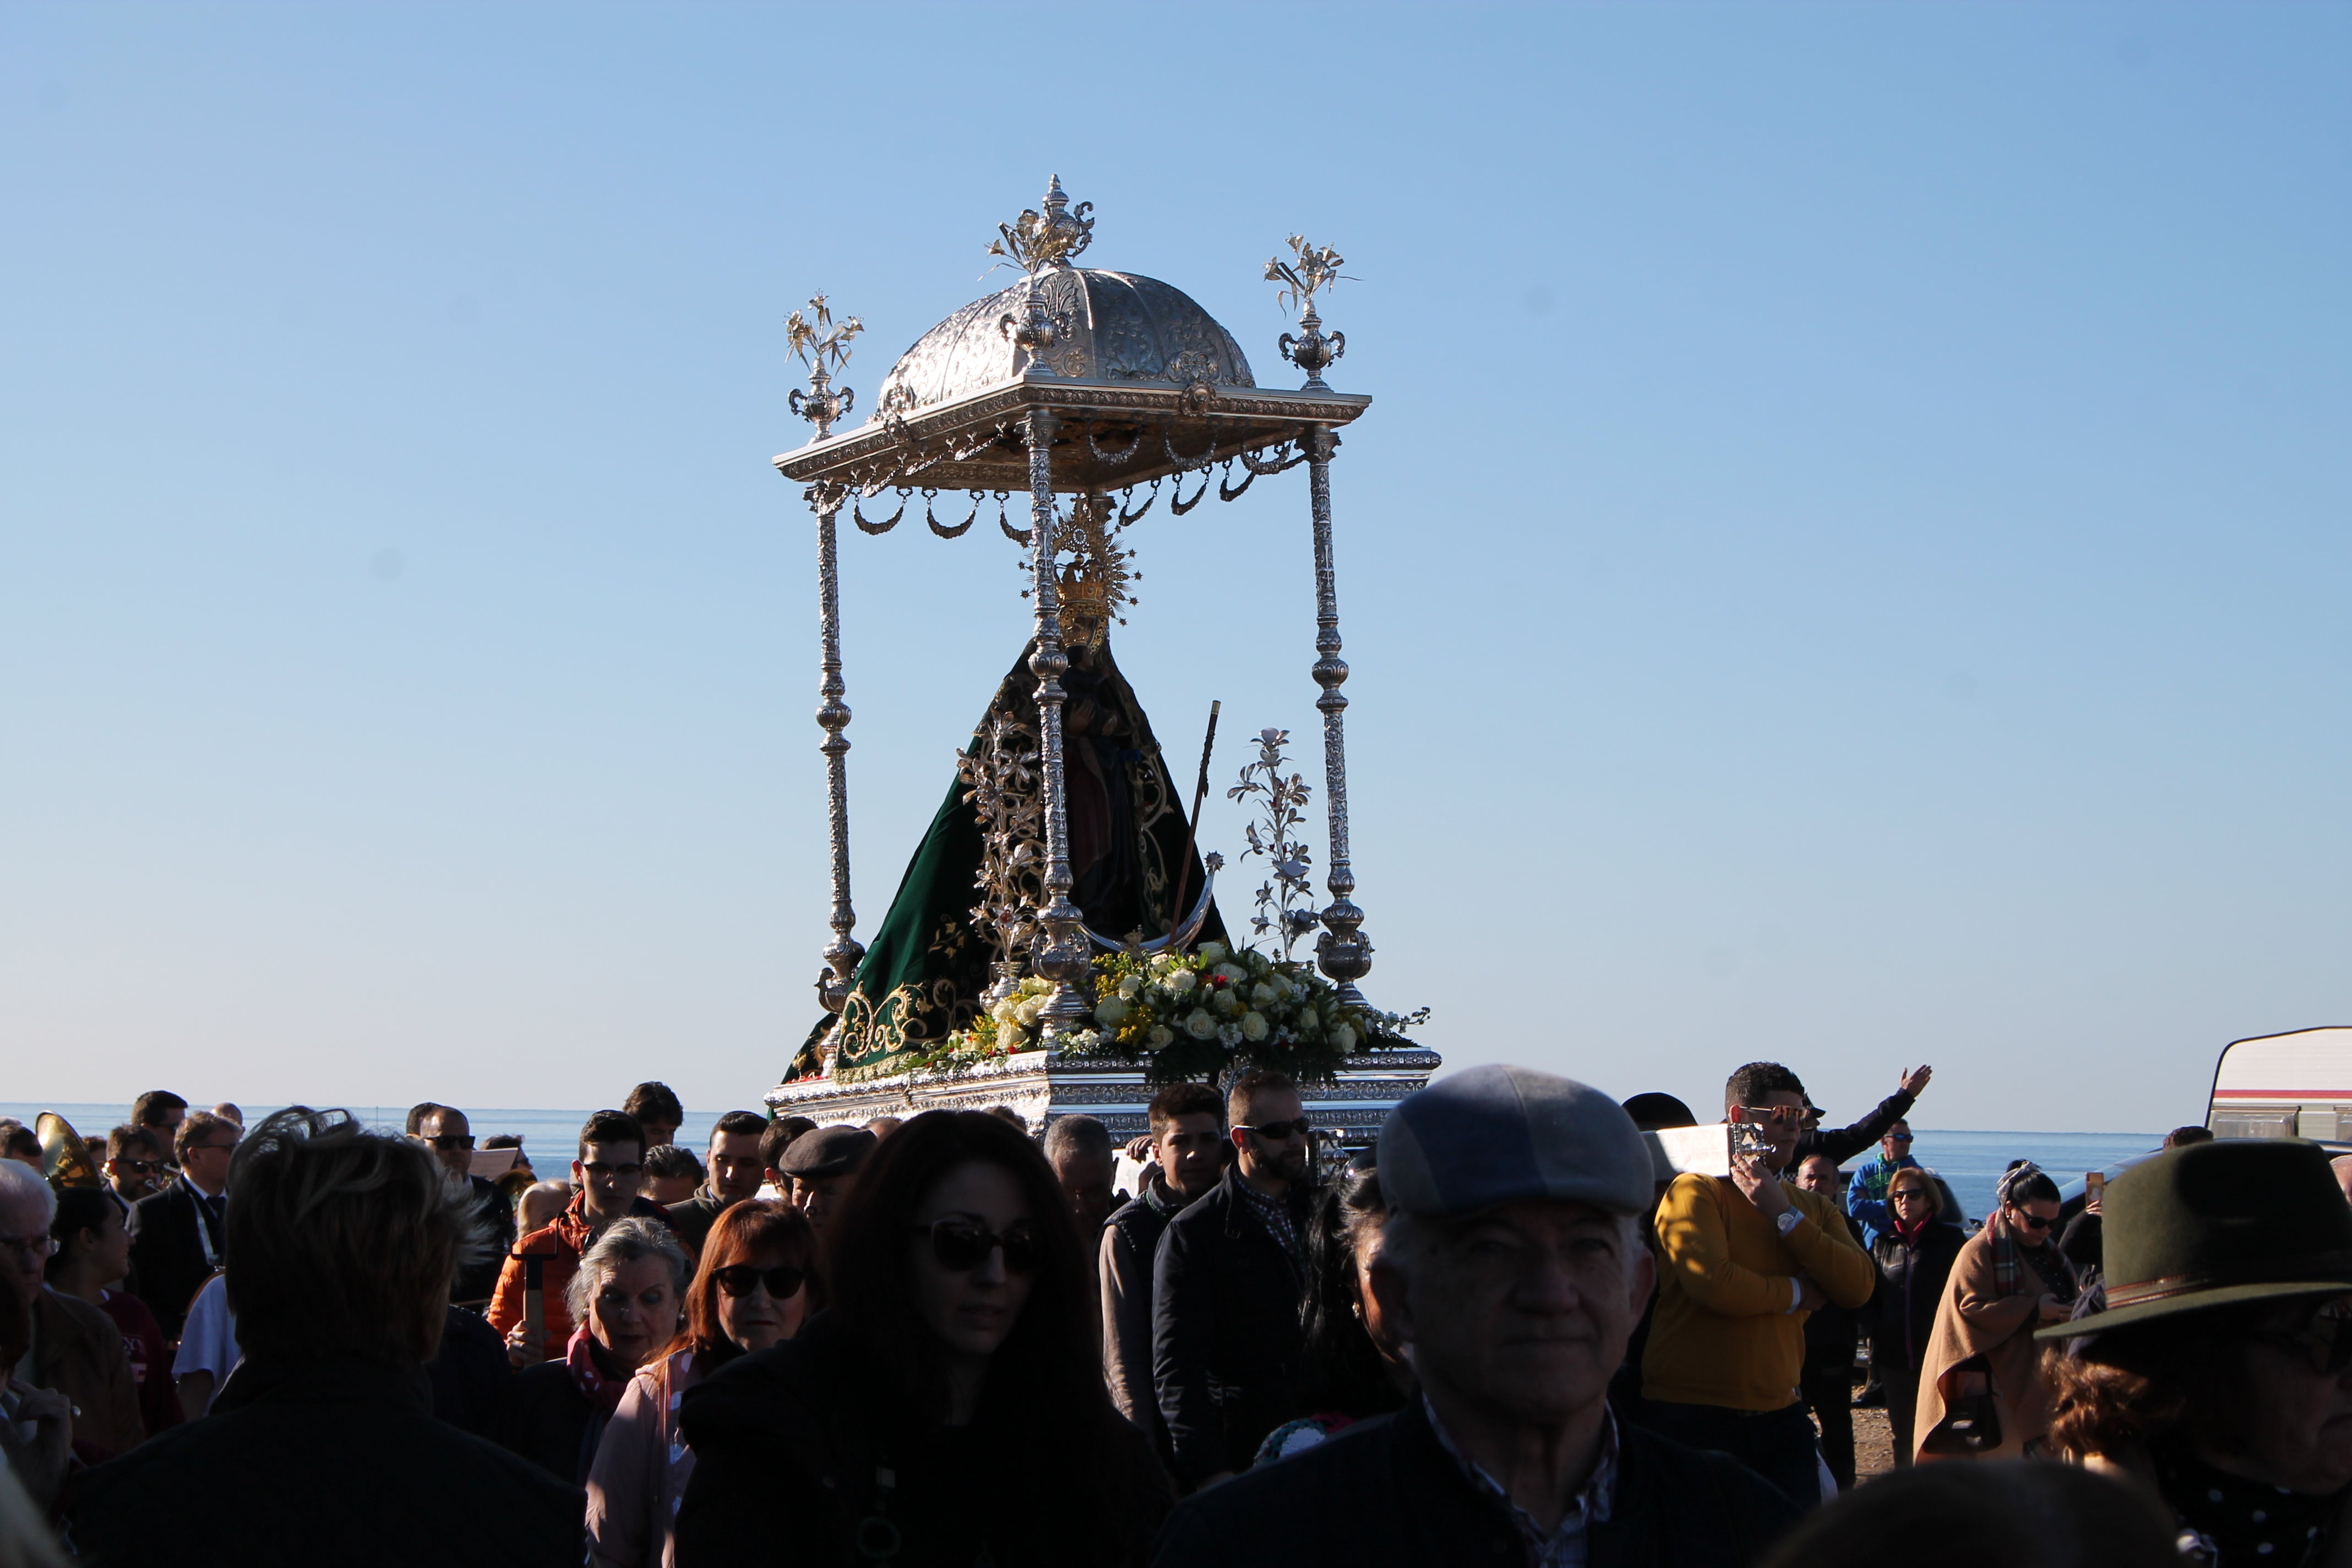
(826, 1151)
(1491, 1134)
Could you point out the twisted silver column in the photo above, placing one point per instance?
(1342, 951)
(845, 953)
(1061, 954)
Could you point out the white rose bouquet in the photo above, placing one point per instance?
(1188, 1016)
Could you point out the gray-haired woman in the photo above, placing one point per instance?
(626, 1297)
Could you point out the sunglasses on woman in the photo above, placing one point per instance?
(784, 1281)
(963, 1245)
(2032, 1221)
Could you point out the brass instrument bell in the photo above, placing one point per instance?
(65, 1160)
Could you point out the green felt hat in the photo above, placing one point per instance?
(2213, 1224)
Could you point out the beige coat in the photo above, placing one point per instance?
(641, 1470)
(1971, 1319)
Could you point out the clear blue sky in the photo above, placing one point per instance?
(1847, 563)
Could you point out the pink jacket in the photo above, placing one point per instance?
(641, 1469)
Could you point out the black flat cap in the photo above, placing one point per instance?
(827, 1152)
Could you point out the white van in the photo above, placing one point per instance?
(2296, 1085)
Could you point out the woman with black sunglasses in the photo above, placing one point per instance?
(948, 1407)
(1980, 1395)
(753, 1289)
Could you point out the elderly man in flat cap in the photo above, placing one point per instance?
(822, 1166)
(1514, 1271)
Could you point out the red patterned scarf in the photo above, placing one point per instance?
(604, 1392)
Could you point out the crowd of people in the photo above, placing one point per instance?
(1516, 1328)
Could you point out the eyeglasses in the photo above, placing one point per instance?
(963, 1245)
(784, 1281)
(1922, 1194)
(601, 1171)
(139, 1167)
(452, 1140)
(2326, 1341)
(1898, 1138)
(1279, 1130)
(39, 1246)
(1773, 1113)
(2032, 1221)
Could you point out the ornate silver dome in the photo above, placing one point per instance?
(1111, 327)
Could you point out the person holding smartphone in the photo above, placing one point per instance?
(1743, 1261)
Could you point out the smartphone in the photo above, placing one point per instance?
(2095, 1186)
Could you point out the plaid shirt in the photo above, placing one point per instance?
(1275, 1214)
(1567, 1546)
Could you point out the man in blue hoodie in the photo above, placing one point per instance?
(1865, 1196)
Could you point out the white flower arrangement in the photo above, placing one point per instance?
(1191, 1014)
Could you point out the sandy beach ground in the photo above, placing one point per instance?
(1874, 1446)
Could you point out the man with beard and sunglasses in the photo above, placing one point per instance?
(1225, 1288)
(1743, 1261)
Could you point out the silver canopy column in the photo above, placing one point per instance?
(1342, 951)
(826, 348)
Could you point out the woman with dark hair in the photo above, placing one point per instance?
(2215, 1375)
(90, 1253)
(751, 1290)
(1349, 1370)
(948, 1407)
(1914, 1259)
(1979, 1396)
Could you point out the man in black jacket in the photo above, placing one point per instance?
(178, 1235)
(444, 1131)
(1188, 1132)
(1842, 1144)
(734, 1174)
(1513, 1270)
(1225, 1286)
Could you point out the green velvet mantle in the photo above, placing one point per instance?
(923, 976)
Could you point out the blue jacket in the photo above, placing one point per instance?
(1865, 1198)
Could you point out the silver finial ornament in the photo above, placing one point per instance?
(1308, 271)
(1041, 243)
(1035, 240)
(823, 348)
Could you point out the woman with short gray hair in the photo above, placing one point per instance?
(626, 1297)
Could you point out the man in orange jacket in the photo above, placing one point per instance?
(612, 1159)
